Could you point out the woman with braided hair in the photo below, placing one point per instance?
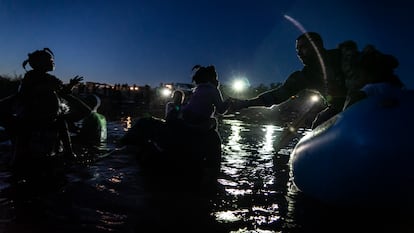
(194, 136)
(44, 110)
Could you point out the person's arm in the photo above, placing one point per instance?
(79, 109)
(67, 88)
(239, 104)
(221, 105)
(278, 95)
(168, 108)
(354, 97)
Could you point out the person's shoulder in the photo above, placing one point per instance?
(93, 117)
(295, 79)
(101, 117)
(205, 87)
(345, 48)
(31, 74)
(52, 77)
(297, 75)
(333, 53)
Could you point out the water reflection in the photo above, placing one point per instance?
(268, 139)
(248, 176)
(255, 194)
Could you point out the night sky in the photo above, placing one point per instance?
(159, 41)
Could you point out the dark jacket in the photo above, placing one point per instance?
(331, 86)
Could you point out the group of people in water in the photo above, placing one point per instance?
(343, 76)
(40, 118)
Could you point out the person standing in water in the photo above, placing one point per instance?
(173, 108)
(206, 99)
(93, 128)
(46, 105)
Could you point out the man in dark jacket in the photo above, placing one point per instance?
(322, 72)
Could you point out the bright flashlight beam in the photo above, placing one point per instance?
(239, 85)
(166, 92)
(314, 98)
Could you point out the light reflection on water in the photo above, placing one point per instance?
(248, 176)
(110, 195)
(255, 194)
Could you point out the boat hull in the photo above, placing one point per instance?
(362, 156)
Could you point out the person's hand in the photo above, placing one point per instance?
(237, 104)
(75, 80)
(67, 88)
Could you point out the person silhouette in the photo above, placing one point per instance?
(322, 71)
(173, 108)
(93, 130)
(374, 75)
(206, 99)
(45, 107)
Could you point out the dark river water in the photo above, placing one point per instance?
(254, 194)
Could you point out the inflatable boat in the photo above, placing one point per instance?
(362, 156)
(170, 153)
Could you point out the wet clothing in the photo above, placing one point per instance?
(204, 102)
(38, 97)
(43, 97)
(173, 111)
(94, 129)
(331, 86)
(37, 81)
(43, 110)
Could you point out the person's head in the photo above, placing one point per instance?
(349, 52)
(41, 60)
(348, 45)
(205, 75)
(93, 101)
(178, 97)
(372, 66)
(308, 45)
